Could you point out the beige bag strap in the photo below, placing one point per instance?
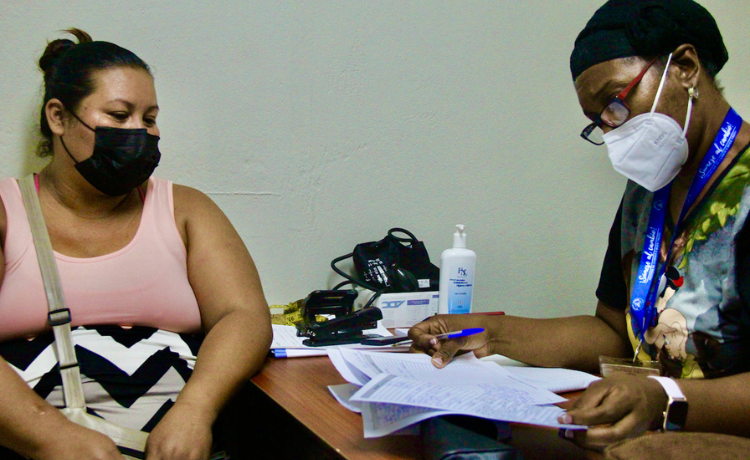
(59, 314)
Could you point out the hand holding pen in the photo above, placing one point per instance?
(458, 334)
(444, 336)
(395, 340)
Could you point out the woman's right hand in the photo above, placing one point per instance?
(35, 429)
(76, 442)
(443, 350)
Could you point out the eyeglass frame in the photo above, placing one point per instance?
(619, 99)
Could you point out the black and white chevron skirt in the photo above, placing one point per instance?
(131, 376)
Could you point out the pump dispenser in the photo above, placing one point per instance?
(457, 267)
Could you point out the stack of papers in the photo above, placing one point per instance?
(286, 344)
(393, 391)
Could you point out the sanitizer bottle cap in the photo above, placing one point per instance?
(459, 238)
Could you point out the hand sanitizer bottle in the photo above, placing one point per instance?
(457, 267)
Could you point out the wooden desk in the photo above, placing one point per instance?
(300, 387)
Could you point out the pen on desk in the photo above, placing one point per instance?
(462, 333)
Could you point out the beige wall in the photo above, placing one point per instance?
(318, 124)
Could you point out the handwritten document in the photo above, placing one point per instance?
(465, 368)
(383, 419)
(402, 389)
(495, 403)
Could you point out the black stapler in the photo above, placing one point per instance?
(346, 326)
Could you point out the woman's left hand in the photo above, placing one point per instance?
(615, 408)
(182, 434)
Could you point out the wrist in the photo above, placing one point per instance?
(196, 409)
(495, 334)
(54, 432)
(42, 434)
(675, 410)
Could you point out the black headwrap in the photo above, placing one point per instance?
(622, 28)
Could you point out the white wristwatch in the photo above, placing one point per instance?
(677, 406)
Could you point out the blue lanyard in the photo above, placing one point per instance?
(643, 299)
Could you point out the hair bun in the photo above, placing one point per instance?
(56, 48)
(52, 53)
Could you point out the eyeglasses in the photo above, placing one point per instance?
(614, 114)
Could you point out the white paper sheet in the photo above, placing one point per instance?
(555, 380)
(452, 395)
(343, 394)
(403, 389)
(286, 337)
(418, 366)
(507, 406)
(502, 360)
(348, 371)
(466, 370)
(383, 419)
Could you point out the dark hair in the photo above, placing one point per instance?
(68, 73)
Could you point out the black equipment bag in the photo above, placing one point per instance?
(393, 264)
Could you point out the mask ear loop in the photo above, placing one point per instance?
(661, 84)
(63, 141)
(81, 121)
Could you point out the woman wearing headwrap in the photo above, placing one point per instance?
(675, 283)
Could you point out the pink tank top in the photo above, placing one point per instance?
(143, 284)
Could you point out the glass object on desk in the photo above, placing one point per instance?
(611, 366)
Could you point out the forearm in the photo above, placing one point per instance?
(27, 422)
(575, 342)
(718, 405)
(232, 352)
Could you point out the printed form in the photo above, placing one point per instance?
(399, 390)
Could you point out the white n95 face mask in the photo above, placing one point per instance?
(651, 148)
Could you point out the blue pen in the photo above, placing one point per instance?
(457, 334)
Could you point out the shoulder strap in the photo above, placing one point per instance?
(59, 314)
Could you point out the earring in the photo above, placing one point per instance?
(693, 92)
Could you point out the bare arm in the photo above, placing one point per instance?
(34, 428)
(235, 317)
(575, 342)
(234, 311)
(625, 406)
(718, 405)
(614, 408)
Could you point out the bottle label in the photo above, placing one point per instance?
(460, 290)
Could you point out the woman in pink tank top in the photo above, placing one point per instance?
(168, 313)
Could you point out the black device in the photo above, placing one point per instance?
(393, 264)
(346, 326)
(458, 437)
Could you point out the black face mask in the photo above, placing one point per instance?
(122, 160)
